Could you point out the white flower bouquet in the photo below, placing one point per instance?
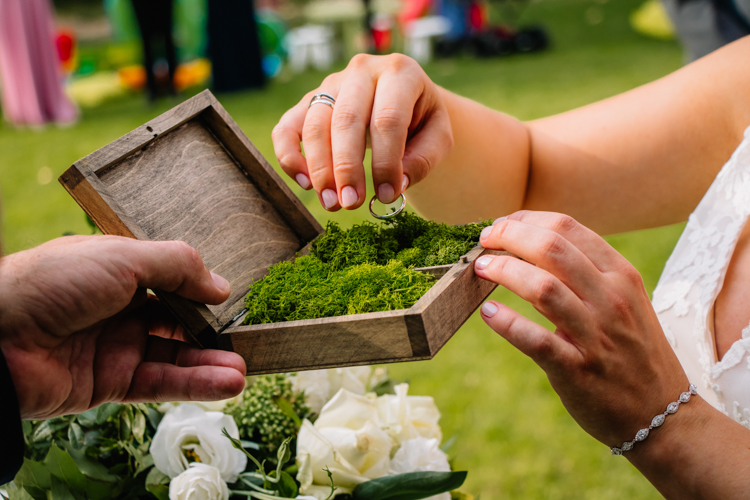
(353, 434)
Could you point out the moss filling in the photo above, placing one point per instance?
(364, 269)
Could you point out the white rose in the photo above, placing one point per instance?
(409, 417)
(347, 439)
(199, 482)
(319, 386)
(421, 455)
(191, 431)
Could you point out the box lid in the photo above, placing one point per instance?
(191, 174)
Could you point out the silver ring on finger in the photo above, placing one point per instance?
(322, 98)
(392, 214)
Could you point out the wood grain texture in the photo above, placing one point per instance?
(185, 187)
(450, 302)
(379, 337)
(237, 145)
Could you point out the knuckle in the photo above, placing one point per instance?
(563, 224)
(546, 290)
(359, 61)
(542, 346)
(345, 117)
(553, 245)
(388, 120)
(314, 130)
(346, 166)
(399, 62)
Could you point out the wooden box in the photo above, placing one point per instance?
(192, 175)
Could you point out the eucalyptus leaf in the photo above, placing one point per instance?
(88, 418)
(89, 467)
(143, 464)
(18, 494)
(139, 426)
(75, 435)
(105, 411)
(60, 491)
(155, 476)
(249, 444)
(34, 478)
(154, 416)
(410, 486)
(126, 423)
(63, 467)
(44, 431)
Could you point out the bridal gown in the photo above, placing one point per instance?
(691, 281)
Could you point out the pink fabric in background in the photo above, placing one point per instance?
(32, 90)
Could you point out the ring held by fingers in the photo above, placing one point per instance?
(322, 98)
(392, 214)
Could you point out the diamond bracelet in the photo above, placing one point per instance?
(657, 421)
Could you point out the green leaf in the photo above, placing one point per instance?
(60, 491)
(139, 426)
(286, 486)
(286, 407)
(158, 484)
(126, 423)
(154, 416)
(89, 467)
(144, 464)
(105, 411)
(63, 467)
(15, 493)
(410, 486)
(45, 430)
(34, 478)
(75, 435)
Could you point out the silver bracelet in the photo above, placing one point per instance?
(657, 421)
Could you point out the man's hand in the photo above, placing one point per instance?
(78, 329)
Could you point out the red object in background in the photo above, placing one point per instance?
(66, 49)
(478, 16)
(382, 32)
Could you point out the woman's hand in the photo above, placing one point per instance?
(77, 328)
(608, 358)
(408, 124)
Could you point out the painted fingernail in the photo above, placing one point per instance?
(303, 181)
(489, 309)
(385, 193)
(483, 261)
(221, 283)
(499, 220)
(329, 198)
(349, 196)
(405, 183)
(485, 232)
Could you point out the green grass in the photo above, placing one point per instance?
(513, 435)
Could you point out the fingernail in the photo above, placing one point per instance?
(489, 309)
(485, 232)
(303, 181)
(405, 183)
(385, 193)
(220, 282)
(349, 196)
(329, 198)
(483, 261)
(499, 220)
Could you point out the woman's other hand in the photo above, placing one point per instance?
(608, 358)
(390, 96)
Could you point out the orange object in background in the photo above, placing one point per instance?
(479, 18)
(132, 77)
(67, 50)
(187, 75)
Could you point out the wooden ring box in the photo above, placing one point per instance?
(191, 174)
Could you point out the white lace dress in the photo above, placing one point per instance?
(694, 274)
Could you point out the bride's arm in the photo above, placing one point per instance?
(608, 358)
(640, 159)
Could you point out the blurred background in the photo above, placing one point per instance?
(77, 74)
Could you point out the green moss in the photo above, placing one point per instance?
(367, 268)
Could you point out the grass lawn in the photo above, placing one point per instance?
(513, 435)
